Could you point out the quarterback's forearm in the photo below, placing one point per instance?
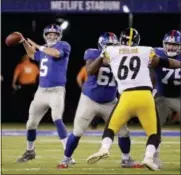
(29, 50)
(93, 67)
(51, 51)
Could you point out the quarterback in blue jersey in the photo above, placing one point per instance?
(98, 97)
(53, 58)
(168, 80)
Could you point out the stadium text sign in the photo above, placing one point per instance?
(92, 6)
(85, 5)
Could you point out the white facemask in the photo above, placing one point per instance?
(172, 49)
(52, 41)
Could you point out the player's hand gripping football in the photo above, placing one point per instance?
(22, 37)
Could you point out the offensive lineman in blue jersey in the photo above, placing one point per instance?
(98, 97)
(168, 80)
(53, 58)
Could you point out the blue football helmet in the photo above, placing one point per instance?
(107, 38)
(172, 43)
(52, 34)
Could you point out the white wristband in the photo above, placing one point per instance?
(42, 48)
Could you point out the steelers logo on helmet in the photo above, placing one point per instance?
(107, 38)
(52, 34)
(172, 43)
(129, 37)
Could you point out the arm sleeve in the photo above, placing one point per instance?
(89, 55)
(64, 49)
(161, 61)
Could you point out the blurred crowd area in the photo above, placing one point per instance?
(82, 27)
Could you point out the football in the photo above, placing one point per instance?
(13, 39)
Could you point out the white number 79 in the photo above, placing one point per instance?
(177, 76)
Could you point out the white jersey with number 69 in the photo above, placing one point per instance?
(130, 66)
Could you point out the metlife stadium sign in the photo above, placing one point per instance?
(109, 6)
(85, 5)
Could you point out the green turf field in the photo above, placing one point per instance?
(49, 153)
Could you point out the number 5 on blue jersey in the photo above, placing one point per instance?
(43, 67)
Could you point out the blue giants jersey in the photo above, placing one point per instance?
(168, 80)
(53, 70)
(102, 87)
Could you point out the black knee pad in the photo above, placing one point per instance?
(108, 133)
(154, 139)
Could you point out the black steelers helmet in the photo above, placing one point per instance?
(129, 37)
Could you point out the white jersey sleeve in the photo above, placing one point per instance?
(130, 66)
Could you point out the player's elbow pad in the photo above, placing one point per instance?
(164, 63)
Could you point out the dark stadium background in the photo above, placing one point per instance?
(83, 33)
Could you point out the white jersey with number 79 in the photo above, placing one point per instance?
(130, 66)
